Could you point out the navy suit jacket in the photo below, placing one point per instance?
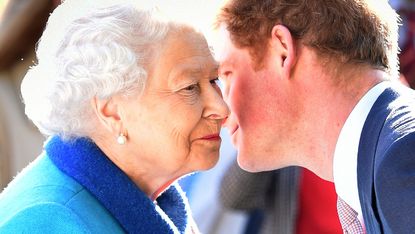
(386, 163)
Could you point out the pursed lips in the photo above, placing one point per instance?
(211, 137)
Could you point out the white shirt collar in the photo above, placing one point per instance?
(345, 155)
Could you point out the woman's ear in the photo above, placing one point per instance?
(283, 45)
(107, 112)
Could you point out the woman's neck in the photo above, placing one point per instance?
(160, 190)
(151, 183)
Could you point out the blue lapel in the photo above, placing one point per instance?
(366, 157)
(82, 160)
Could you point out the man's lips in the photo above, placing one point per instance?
(234, 130)
(211, 137)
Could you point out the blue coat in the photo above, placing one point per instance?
(74, 188)
(386, 164)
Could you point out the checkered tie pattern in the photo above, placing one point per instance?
(348, 218)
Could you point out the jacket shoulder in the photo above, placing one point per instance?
(43, 194)
(50, 217)
(39, 182)
(394, 182)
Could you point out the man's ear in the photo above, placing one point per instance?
(107, 112)
(283, 44)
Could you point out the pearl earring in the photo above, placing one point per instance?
(121, 139)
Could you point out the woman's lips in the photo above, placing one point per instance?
(212, 137)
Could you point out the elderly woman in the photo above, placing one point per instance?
(131, 104)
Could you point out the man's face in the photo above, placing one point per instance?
(259, 105)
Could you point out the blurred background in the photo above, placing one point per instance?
(21, 24)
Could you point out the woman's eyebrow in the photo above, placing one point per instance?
(215, 69)
(182, 73)
(191, 71)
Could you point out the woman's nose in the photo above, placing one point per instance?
(215, 106)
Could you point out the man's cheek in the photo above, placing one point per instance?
(235, 96)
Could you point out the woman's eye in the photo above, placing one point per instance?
(215, 81)
(191, 88)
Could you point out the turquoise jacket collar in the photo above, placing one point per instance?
(82, 160)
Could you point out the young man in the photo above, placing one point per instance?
(312, 83)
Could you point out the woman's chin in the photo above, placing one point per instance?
(209, 161)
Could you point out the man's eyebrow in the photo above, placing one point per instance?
(220, 69)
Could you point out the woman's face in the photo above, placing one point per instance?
(173, 127)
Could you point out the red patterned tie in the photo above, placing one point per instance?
(348, 218)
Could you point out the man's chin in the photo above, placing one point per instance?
(253, 162)
(249, 163)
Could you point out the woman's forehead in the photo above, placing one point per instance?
(184, 55)
(185, 42)
(189, 47)
(194, 67)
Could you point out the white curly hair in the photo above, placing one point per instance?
(89, 48)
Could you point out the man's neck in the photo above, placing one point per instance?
(328, 111)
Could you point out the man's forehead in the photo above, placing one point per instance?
(220, 42)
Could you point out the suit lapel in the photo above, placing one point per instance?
(366, 157)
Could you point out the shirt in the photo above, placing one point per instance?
(346, 151)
